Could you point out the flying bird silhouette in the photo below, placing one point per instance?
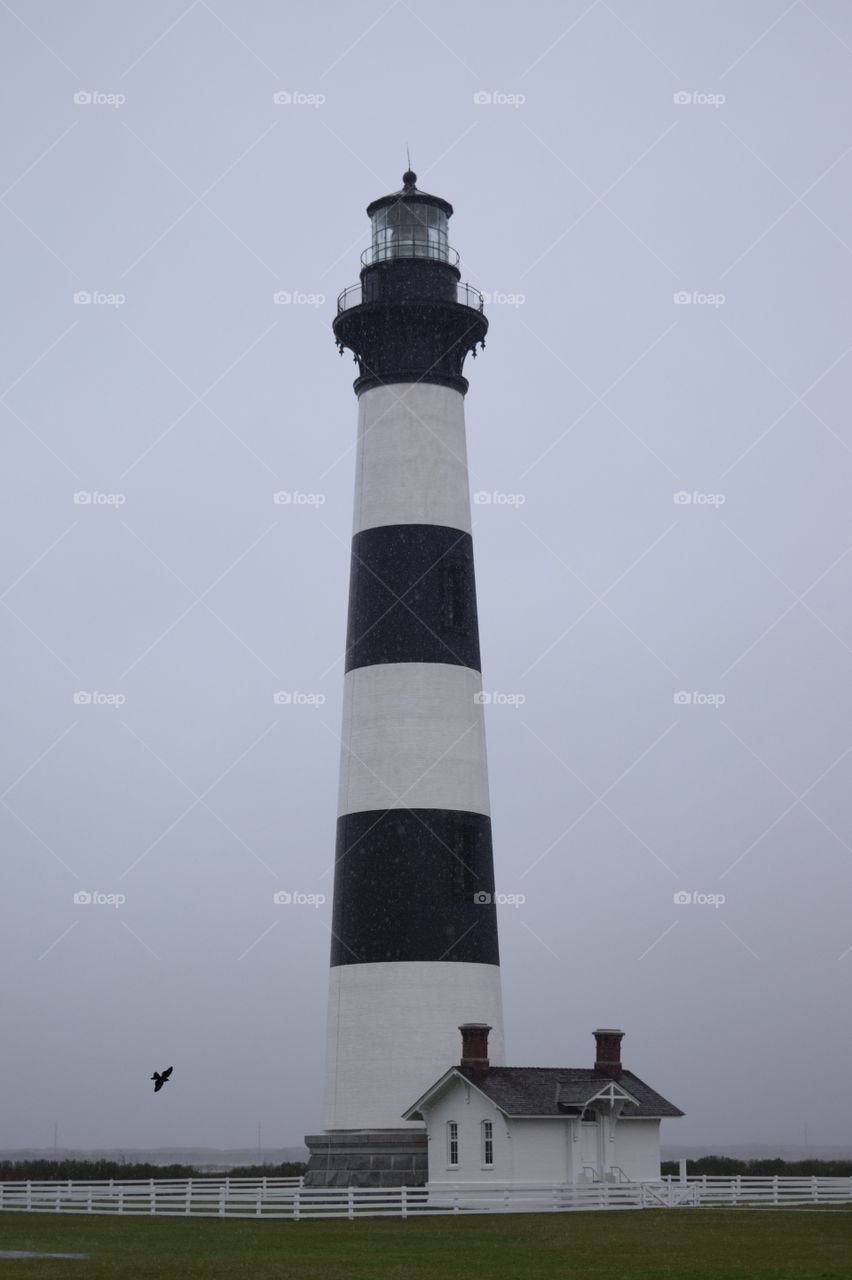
(161, 1077)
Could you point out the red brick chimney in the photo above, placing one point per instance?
(608, 1051)
(475, 1045)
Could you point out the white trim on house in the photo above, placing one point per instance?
(411, 1113)
(452, 1144)
(612, 1088)
(486, 1128)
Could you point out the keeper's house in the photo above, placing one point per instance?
(528, 1125)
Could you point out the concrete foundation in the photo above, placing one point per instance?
(367, 1158)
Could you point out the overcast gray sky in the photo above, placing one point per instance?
(182, 197)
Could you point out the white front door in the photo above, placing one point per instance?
(591, 1150)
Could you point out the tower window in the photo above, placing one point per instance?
(454, 596)
(452, 1144)
(487, 1144)
(464, 873)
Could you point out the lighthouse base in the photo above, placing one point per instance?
(367, 1158)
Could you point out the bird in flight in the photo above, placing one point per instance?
(161, 1077)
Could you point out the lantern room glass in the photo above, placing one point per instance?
(410, 229)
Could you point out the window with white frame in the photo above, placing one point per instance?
(452, 1143)
(487, 1144)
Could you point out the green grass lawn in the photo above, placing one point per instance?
(683, 1244)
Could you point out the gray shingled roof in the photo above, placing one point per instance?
(549, 1091)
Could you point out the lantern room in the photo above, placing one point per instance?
(409, 224)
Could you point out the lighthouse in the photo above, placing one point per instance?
(414, 950)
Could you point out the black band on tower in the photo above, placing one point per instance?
(412, 597)
(414, 884)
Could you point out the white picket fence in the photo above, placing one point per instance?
(204, 1196)
(756, 1191)
(289, 1198)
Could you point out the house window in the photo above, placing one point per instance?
(487, 1144)
(452, 1144)
(590, 1116)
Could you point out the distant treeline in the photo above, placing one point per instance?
(727, 1165)
(101, 1170)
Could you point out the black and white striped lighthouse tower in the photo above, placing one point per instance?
(414, 931)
